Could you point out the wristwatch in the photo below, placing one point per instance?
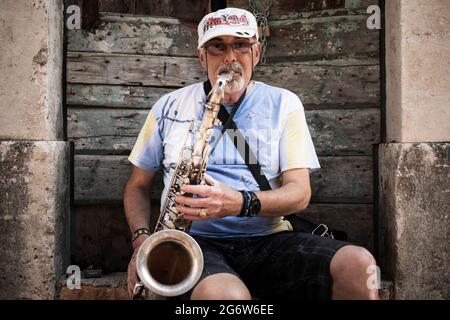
(251, 205)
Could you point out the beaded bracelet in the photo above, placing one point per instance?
(139, 232)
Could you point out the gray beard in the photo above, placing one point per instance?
(238, 82)
(235, 85)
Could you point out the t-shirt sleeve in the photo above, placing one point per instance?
(147, 152)
(296, 145)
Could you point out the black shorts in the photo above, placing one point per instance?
(283, 265)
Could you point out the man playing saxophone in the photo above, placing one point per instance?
(249, 250)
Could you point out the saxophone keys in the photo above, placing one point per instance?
(173, 213)
(169, 224)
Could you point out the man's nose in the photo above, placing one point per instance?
(230, 55)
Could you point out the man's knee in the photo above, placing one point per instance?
(222, 286)
(351, 259)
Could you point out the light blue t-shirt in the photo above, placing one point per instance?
(273, 123)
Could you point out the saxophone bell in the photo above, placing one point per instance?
(169, 263)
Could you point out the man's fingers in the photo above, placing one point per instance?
(188, 211)
(131, 282)
(194, 217)
(196, 189)
(193, 202)
(132, 276)
(130, 289)
(210, 181)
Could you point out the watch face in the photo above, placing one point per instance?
(255, 206)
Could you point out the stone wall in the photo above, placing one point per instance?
(414, 225)
(415, 171)
(33, 220)
(418, 64)
(31, 63)
(34, 161)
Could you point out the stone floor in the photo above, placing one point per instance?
(113, 287)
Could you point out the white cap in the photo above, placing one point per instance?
(227, 22)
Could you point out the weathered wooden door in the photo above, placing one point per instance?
(321, 50)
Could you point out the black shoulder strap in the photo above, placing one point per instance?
(246, 154)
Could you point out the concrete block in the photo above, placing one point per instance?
(414, 218)
(108, 287)
(34, 186)
(417, 65)
(112, 286)
(31, 42)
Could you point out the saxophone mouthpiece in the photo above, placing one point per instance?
(224, 78)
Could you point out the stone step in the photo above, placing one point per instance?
(108, 287)
(114, 287)
(386, 291)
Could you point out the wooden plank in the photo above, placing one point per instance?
(360, 4)
(125, 97)
(101, 179)
(102, 237)
(343, 179)
(330, 82)
(124, 69)
(137, 97)
(294, 39)
(355, 219)
(120, 6)
(317, 83)
(104, 131)
(287, 8)
(137, 35)
(190, 10)
(284, 7)
(90, 14)
(344, 132)
(89, 9)
(309, 5)
(114, 131)
(322, 38)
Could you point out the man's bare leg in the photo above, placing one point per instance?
(349, 270)
(221, 286)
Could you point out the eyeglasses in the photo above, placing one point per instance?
(217, 48)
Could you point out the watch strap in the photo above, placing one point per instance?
(251, 205)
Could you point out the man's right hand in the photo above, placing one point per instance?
(132, 277)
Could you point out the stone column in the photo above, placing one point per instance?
(34, 170)
(414, 165)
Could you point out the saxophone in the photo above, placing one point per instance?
(170, 262)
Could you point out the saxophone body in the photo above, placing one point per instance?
(170, 262)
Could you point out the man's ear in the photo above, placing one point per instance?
(257, 54)
(202, 58)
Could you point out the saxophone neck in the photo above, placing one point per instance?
(216, 94)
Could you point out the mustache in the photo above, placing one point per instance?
(235, 66)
